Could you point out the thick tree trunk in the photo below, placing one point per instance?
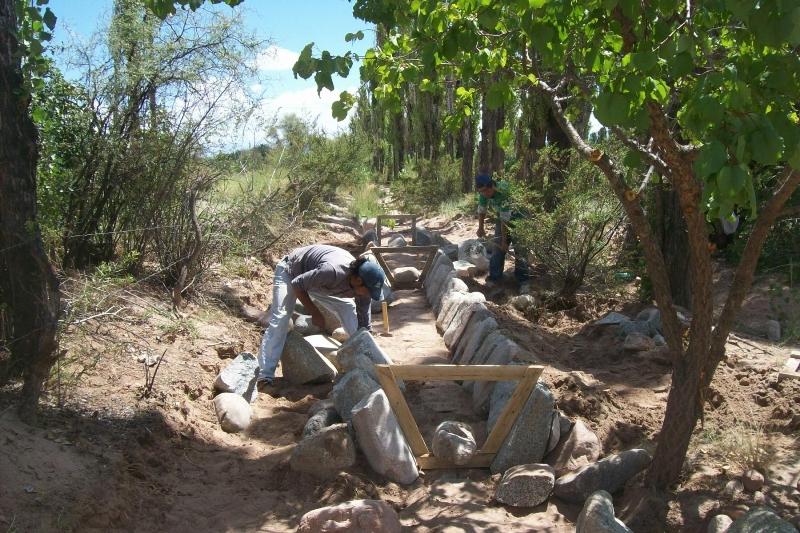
(467, 149)
(29, 284)
(675, 247)
(487, 134)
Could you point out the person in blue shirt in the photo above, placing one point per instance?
(494, 199)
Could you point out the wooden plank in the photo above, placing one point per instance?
(414, 230)
(791, 365)
(405, 249)
(426, 269)
(431, 462)
(384, 266)
(388, 381)
(795, 354)
(512, 410)
(462, 372)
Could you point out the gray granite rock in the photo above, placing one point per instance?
(636, 326)
(597, 516)
(461, 339)
(475, 337)
(322, 343)
(381, 439)
(773, 330)
(527, 441)
(609, 474)
(369, 236)
(719, 524)
(451, 287)
(454, 442)
(353, 387)
(652, 315)
(761, 520)
(361, 351)
(752, 480)
(659, 340)
(474, 251)
(451, 250)
(612, 319)
(324, 453)
(523, 302)
(357, 516)
(239, 377)
(304, 326)
(320, 420)
(451, 303)
(465, 269)
(406, 276)
(233, 412)
(565, 423)
(422, 237)
(302, 363)
(525, 485)
(555, 433)
(503, 353)
(458, 325)
(397, 240)
(580, 448)
(332, 320)
(636, 342)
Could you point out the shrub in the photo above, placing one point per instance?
(425, 185)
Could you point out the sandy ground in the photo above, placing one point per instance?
(105, 457)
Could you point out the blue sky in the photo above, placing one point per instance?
(290, 25)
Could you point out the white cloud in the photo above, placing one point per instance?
(276, 58)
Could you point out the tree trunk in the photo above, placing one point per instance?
(29, 284)
(498, 154)
(675, 247)
(487, 133)
(467, 149)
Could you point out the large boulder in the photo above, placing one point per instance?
(422, 237)
(233, 412)
(302, 363)
(474, 251)
(580, 448)
(503, 354)
(451, 287)
(332, 320)
(361, 351)
(465, 269)
(525, 485)
(652, 315)
(350, 390)
(464, 331)
(454, 442)
(636, 342)
(396, 240)
(239, 377)
(526, 443)
(406, 276)
(485, 347)
(609, 474)
(323, 344)
(324, 453)
(455, 330)
(761, 520)
(357, 516)
(719, 524)
(474, 338)
(555, 432)
(597, 516)
(369, 236)
(381, 439)
(321, 419)
(304, 326)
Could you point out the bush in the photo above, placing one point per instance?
(573, 237)
(425, 185)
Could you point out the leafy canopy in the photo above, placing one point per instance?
(727, 72)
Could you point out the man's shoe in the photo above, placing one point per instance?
(264, 384)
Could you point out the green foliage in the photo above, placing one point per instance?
(34, 29)
(573, 239)
(425, 185)
(730, 74)
(165, 8)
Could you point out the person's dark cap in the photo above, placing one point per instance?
(483, 180)
(372, 276)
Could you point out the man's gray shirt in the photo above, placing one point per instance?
(326, 269)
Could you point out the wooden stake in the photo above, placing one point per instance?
(385, 311)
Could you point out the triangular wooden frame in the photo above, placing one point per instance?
(417, 250)
(526, 375)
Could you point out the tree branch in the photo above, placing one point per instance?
(743, 278)
(633, 208)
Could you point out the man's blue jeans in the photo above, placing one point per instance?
(497, 259)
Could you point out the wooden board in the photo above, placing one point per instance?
(389, 374)
(791, 369)
(416, 250)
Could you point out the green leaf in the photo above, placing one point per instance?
(644, 61)
(740, 8)
(305, 65)
(730, 180)
(49, 19)
(766, 145)
(536, 4)
(504, 138)
(710, 160)
(794, 157)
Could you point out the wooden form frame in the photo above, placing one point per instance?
(526, 375)
(791, 368)
(417, 250)
(400, 219)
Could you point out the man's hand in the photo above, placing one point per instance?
(481, 232)
(318, 319)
